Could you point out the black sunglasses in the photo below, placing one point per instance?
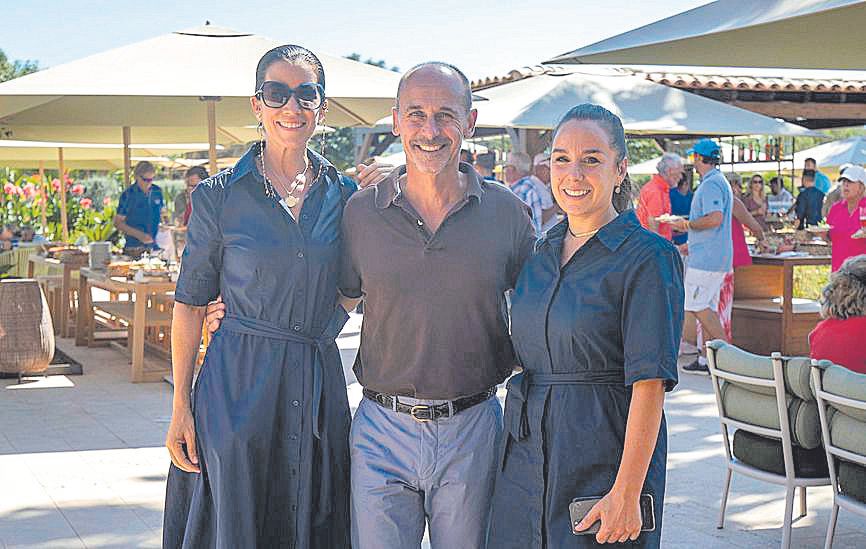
(309, 95)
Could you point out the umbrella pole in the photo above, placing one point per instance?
(211, 135)
(62, 168)
(44, 186)
(127, 160)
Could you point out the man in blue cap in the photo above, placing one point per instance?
(711, 249)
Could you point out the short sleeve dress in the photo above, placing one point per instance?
(584, 333)
(270, 406)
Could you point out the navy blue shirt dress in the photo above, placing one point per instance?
(270, 407)
(584, 333)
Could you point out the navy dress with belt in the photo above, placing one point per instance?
(270, 407)
(584, 333)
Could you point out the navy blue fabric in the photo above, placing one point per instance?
(681, 205)
(808, 206)
(584, 333)
(142, 211)
(270, 406)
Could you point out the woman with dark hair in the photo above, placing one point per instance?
(182, 202)
(596, 320)
(260, 447)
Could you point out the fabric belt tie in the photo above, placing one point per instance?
(517, 416)
(262, 328)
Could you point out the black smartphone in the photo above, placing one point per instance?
(580, 507)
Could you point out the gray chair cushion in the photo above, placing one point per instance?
(848, 433)
(766, 454)
(796, 370)
(852, 480)
(841, 381)
(761, 410)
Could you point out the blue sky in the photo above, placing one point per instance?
(482, 37)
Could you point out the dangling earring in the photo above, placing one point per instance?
(616, 189)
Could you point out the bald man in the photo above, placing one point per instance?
(432, 249)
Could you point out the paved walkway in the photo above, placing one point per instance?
(82, 465)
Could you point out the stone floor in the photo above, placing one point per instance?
(82, 465)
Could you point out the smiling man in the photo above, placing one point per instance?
(432, 249)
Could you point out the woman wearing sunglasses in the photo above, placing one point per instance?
(260, 449)
(138, 212)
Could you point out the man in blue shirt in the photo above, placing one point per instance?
(822, 182)
(711, 247)
(809, 201)
(138, 212)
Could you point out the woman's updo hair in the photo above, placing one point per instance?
(845, 294)
(612, 125)
(291, 54)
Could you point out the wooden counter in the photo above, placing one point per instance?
(766, 317)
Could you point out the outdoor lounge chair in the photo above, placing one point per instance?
(841, 397)
(769, 403)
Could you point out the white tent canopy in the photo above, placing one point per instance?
(836, 153)
(164, 82)
(644, 107)
(96, 156)
(829, 156)
(818, 34)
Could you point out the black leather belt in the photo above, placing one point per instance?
(423, 413)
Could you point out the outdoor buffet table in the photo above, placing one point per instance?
(766, 317)
(146, 308)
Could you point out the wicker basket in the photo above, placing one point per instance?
(26, 330)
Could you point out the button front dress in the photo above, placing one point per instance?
(584, 333)
(270, 406)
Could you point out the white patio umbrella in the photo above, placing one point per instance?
(811, 34)
(645, 107)
(94, 156)
(835, 153)
(192, 85)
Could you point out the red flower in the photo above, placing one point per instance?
(9, 188)
(29, 190)
(106, 201)
(77, 189)
(55, 185)
(86, 203)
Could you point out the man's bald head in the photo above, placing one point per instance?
(439, 69)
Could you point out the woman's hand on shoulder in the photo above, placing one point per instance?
(372, 174)
(619, 515)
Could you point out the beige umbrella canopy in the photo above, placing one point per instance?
(88, 156)
(809, 34)
(63, 156)
(192, 85)
(646, 108)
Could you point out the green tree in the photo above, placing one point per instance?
(14, 69)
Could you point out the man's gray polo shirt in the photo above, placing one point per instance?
(434, 314)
